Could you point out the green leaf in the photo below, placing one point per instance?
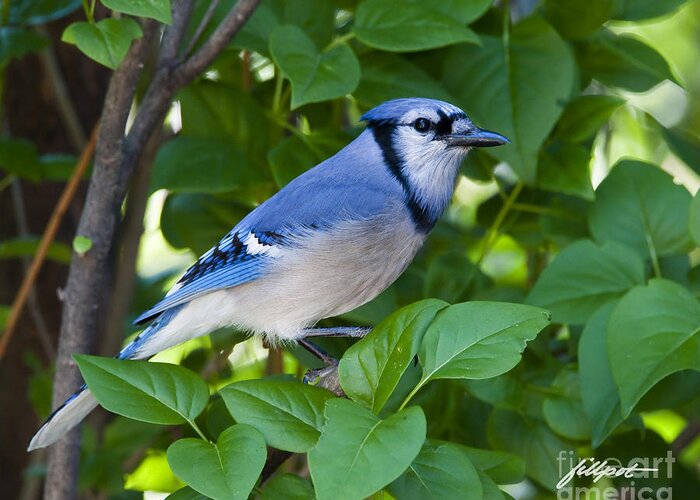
(202, 165)
(358, 454)
(186, 493)
(530, 439)
(4, 314)
(623, 61)
(255, 34)
(389, 76)
(502, 467)
(289, 414)
(314, 17)
(315, 76)
(16, 42)
(218, 109)
(197, 221)
(289, 487)
(27, 246)
(601, 401)
(640, 205)
(448, 276)
(81, 244)
(227, 470)
(515, 87)
(404, 26)
(652, 333)
(584, 116)
(152, 474)
(564, 412)
(585, 276)
(158, 393)
(155, 9)
(294, 156)
(464, 11)
(576, 19)
(490, 490)
(371, 369)
(441, 470)
(634, 10)
(106, 42)
(685, 144)
(475, 340)
(20, 157)
(504, 391)
(32, 12)
(694, 218)
(563, 168)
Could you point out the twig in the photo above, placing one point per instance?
(46, 240)
(173, 35)
(686, 437)
(202, 26)
(32, 304)
(76, 134)
(88, 274)
(228, 28)
(130, 238)
(275, 458)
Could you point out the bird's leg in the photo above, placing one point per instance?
(355, 332)
(327, 359)
(326, 377)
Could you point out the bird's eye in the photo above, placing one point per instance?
(422, 125)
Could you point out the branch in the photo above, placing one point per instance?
(46, 239)
(275, 458)
(115, 157)
(202, 26)
(87, 277)
(76, 134)
(228, 28)
(173, 34)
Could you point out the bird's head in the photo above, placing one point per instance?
(423, 142)
(426, 125)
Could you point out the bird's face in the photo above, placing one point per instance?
(439, 135)
(423, 142)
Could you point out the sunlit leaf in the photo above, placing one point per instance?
(289, 414)
(159, 393)
(652, 332)
(403, 26)
(358, 454)
(106, 41)
(227, 470)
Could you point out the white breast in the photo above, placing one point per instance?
(325, 274)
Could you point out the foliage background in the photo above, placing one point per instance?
(589, 214)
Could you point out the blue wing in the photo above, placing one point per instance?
(227, 264)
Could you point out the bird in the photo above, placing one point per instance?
(329, 241)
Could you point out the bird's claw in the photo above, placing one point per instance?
(326, 377)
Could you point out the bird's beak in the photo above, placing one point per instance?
(476, 138)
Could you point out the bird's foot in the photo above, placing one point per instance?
(326, 377)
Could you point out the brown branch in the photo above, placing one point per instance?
(46, 240)
(76, 134)
(275, 458)
(115, 157)
(228, 28)
(42, 330)
(87, 277)
(202, 26)
(173, 34)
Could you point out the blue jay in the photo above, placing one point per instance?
(328, 242)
